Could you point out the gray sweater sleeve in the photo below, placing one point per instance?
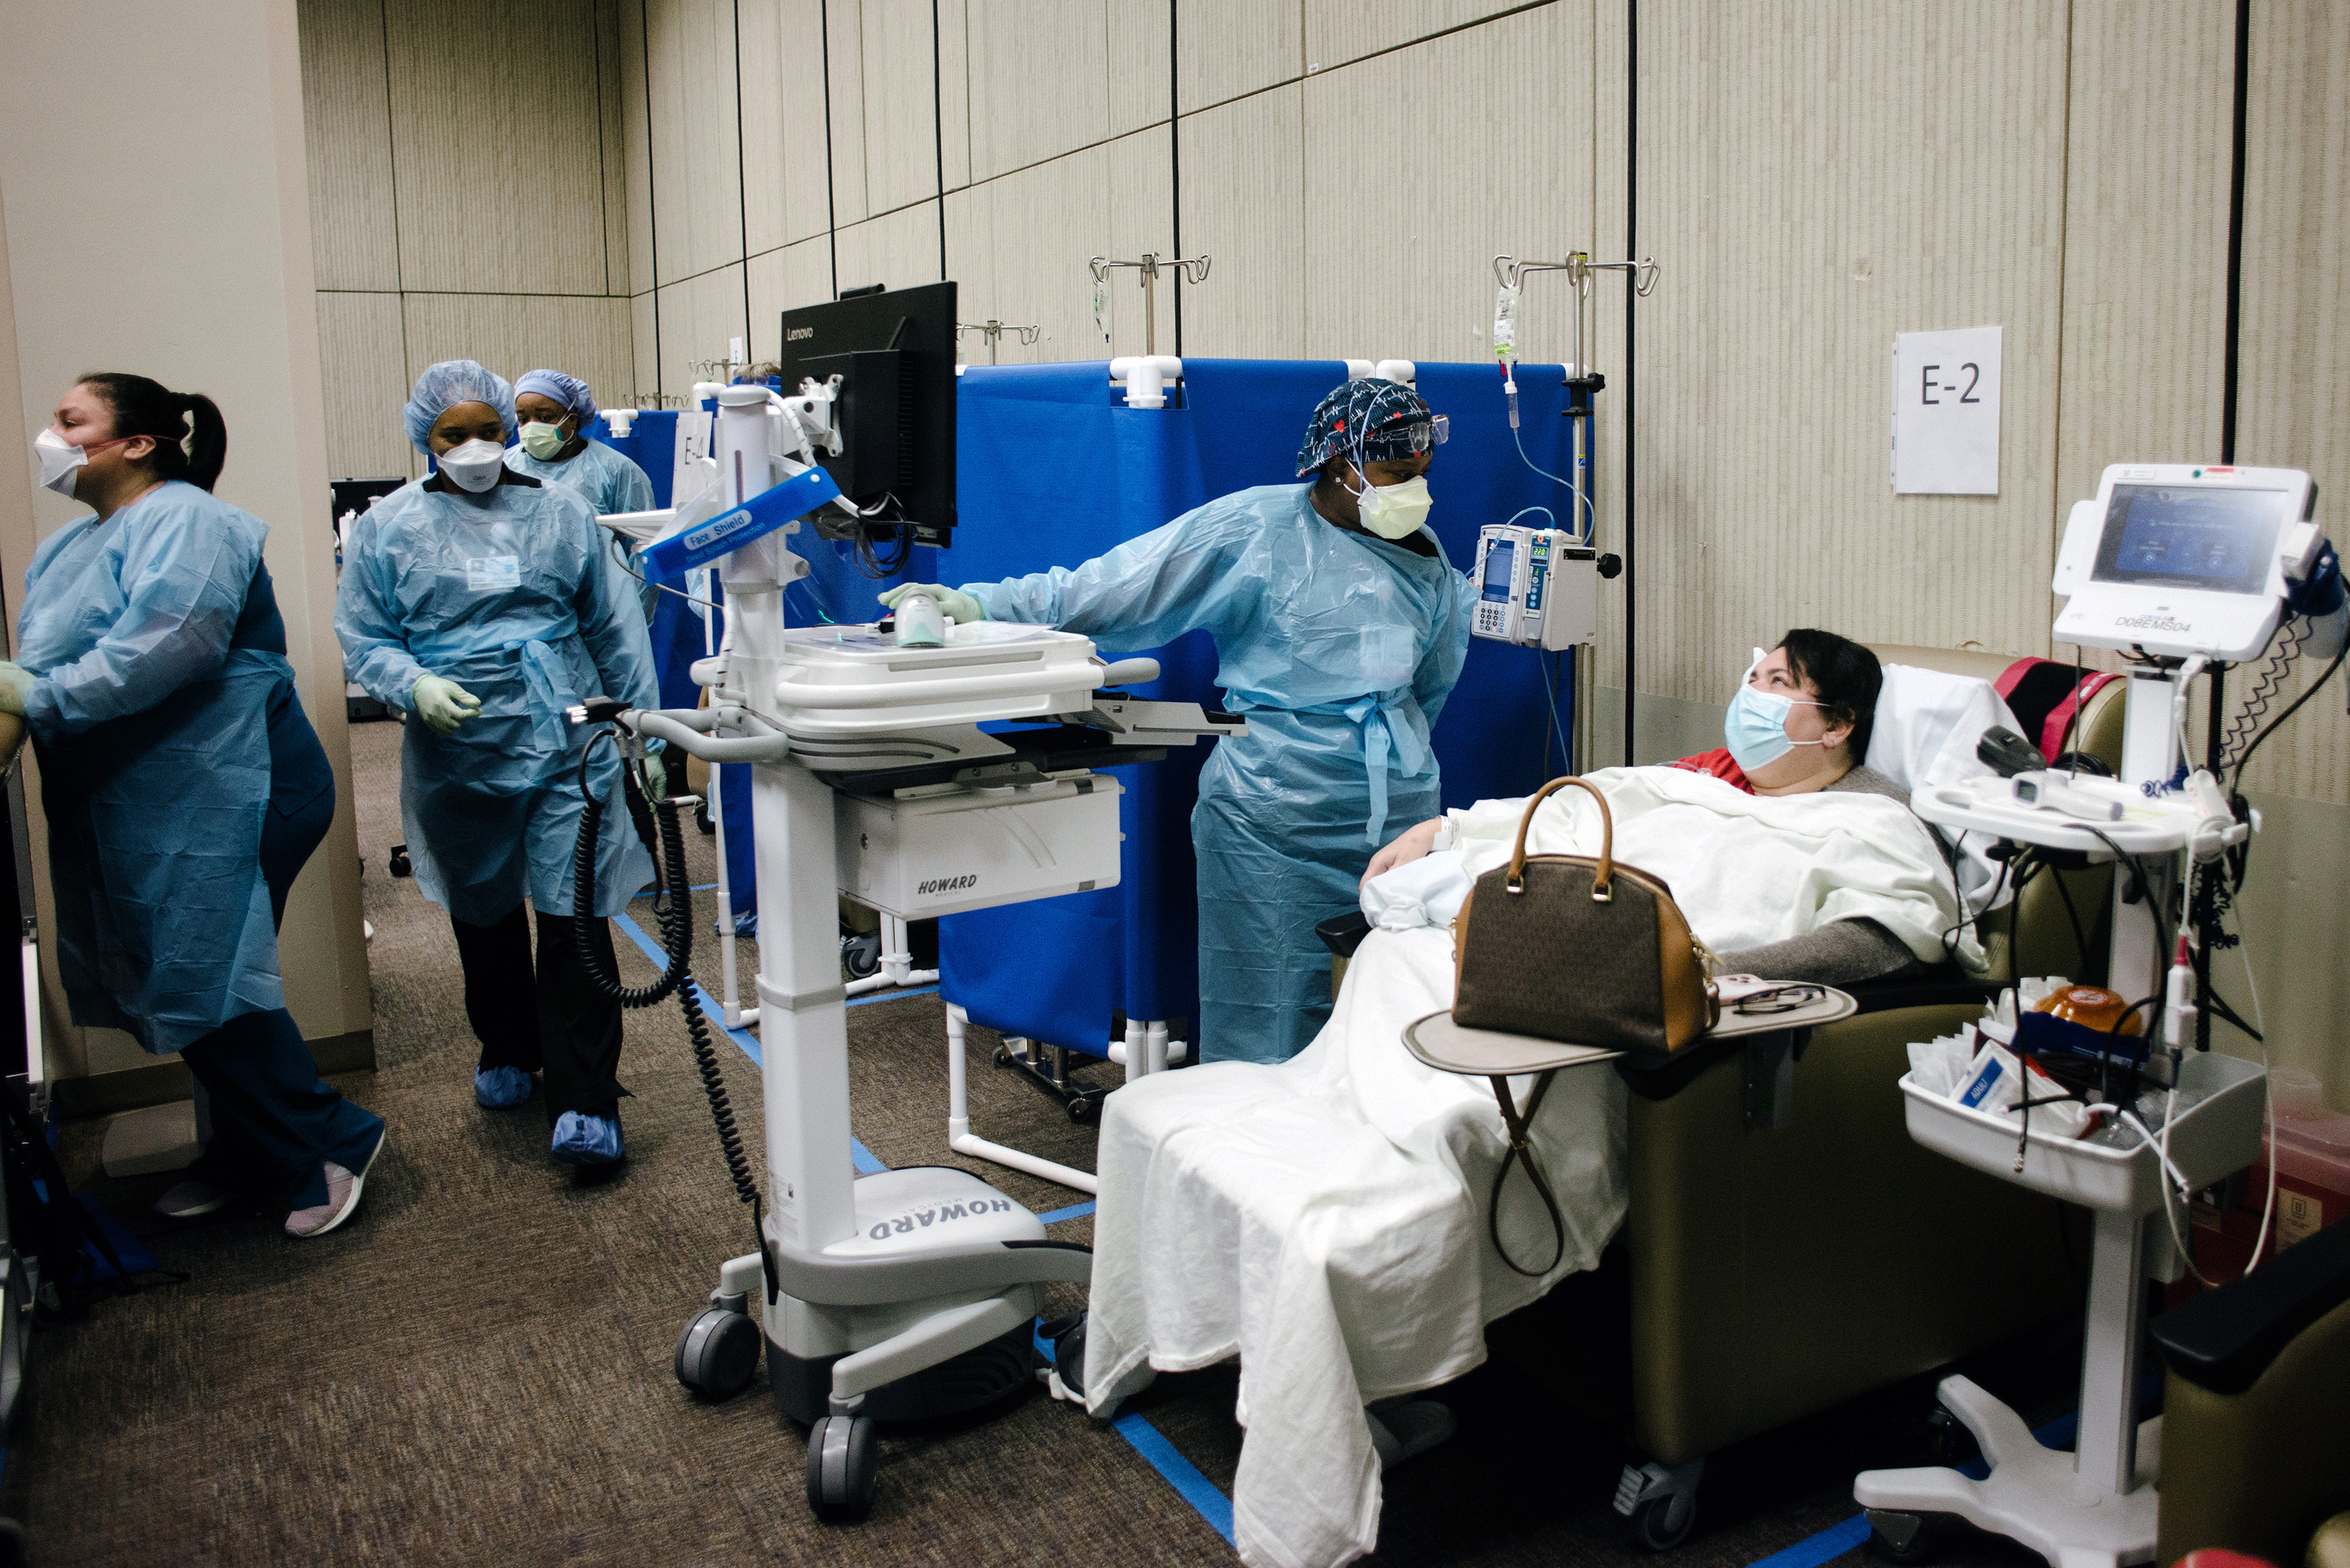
(1842, 952)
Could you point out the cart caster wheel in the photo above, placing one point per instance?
(860, 955)
(1080, 1108)
(702, 822)
(840, 1466)
(1003, 1057)
(401, 866)
(1904, 1538)
(1662, 1524)
(718, 1353)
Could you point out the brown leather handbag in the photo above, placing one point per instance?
(1564, 948)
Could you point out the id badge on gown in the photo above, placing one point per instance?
(485, 573)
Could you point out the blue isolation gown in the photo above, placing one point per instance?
(512, 594)
(608, 481)
(1340, 647)
(153, 726)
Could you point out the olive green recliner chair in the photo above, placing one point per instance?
(2256, 1412)
(1790, 1246)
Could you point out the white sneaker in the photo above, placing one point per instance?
(342, 1198)
(190, 1199)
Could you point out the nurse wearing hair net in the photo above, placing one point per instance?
(483, 603)
(1339, 629)
(554, 410)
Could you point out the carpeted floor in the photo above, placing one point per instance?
(478, 1368)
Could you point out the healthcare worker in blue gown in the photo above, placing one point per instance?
(482, 603)
(1339, 629)
(183, 789)
(555, 410)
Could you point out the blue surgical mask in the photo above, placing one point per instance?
(1756, 727)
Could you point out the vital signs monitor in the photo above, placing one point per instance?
(2178, 559)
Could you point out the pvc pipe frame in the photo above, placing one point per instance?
(1144, 1051)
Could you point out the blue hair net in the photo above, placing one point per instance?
(1362, 420)
(569, 390)
(450, 382)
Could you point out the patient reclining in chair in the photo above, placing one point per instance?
(1324, 1219)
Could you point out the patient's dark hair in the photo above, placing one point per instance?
(1845, 675)
(148, 407)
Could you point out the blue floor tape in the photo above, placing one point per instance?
(1179, 1472)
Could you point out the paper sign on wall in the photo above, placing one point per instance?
(1946, 413)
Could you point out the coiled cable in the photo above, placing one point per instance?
(674, 905)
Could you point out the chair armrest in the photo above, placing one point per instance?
(2225, 1339)
(1342, 934)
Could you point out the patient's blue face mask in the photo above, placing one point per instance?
(1755, 728)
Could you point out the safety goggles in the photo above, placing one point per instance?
(1779, 999)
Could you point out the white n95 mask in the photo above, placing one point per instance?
(1392, 511)
(58, 458)
(474, 466)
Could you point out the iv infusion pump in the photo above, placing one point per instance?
(1537, 587)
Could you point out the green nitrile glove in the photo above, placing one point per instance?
(15, 686)
(656, 775)
(954, 603)
(443, 704)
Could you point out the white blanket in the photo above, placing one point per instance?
(1324, 1218)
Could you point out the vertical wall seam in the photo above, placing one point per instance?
(1175, 162)
(392, 156)
(743, 183)
(652, 201)
(2059, 508)
(2234, 342)
(1631, 299)
(831, 214)
(938, 131)
(603, 167)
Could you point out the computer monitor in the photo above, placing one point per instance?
(894, 353)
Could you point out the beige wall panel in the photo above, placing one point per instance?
(782, 123)
(511, 333)
(1338, 32)
(614, 75)
(644, 357)
(1039, 80)
(900, 249)
(364, 365)
(636, 148)
(346, 127)
(1424, 290)
(1227, 48)
(2294, 401)
(696, 151)
(2145, 274)
(1763, 368)
(954, 89)
(845, 29)
(1137, 64)
(1030, 234)
(697, 317)
(901, 121)
(478, 213)
(1141, 218)
(1243, 201)
(786, 279)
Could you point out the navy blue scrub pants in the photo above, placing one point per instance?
(274, 1121)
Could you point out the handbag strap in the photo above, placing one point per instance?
(1520, 1151)
(1602, 879)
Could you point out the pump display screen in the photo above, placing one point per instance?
(2217, 539)
(1499, 557)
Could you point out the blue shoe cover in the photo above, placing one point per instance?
(500, 1088)
(586, 1140)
